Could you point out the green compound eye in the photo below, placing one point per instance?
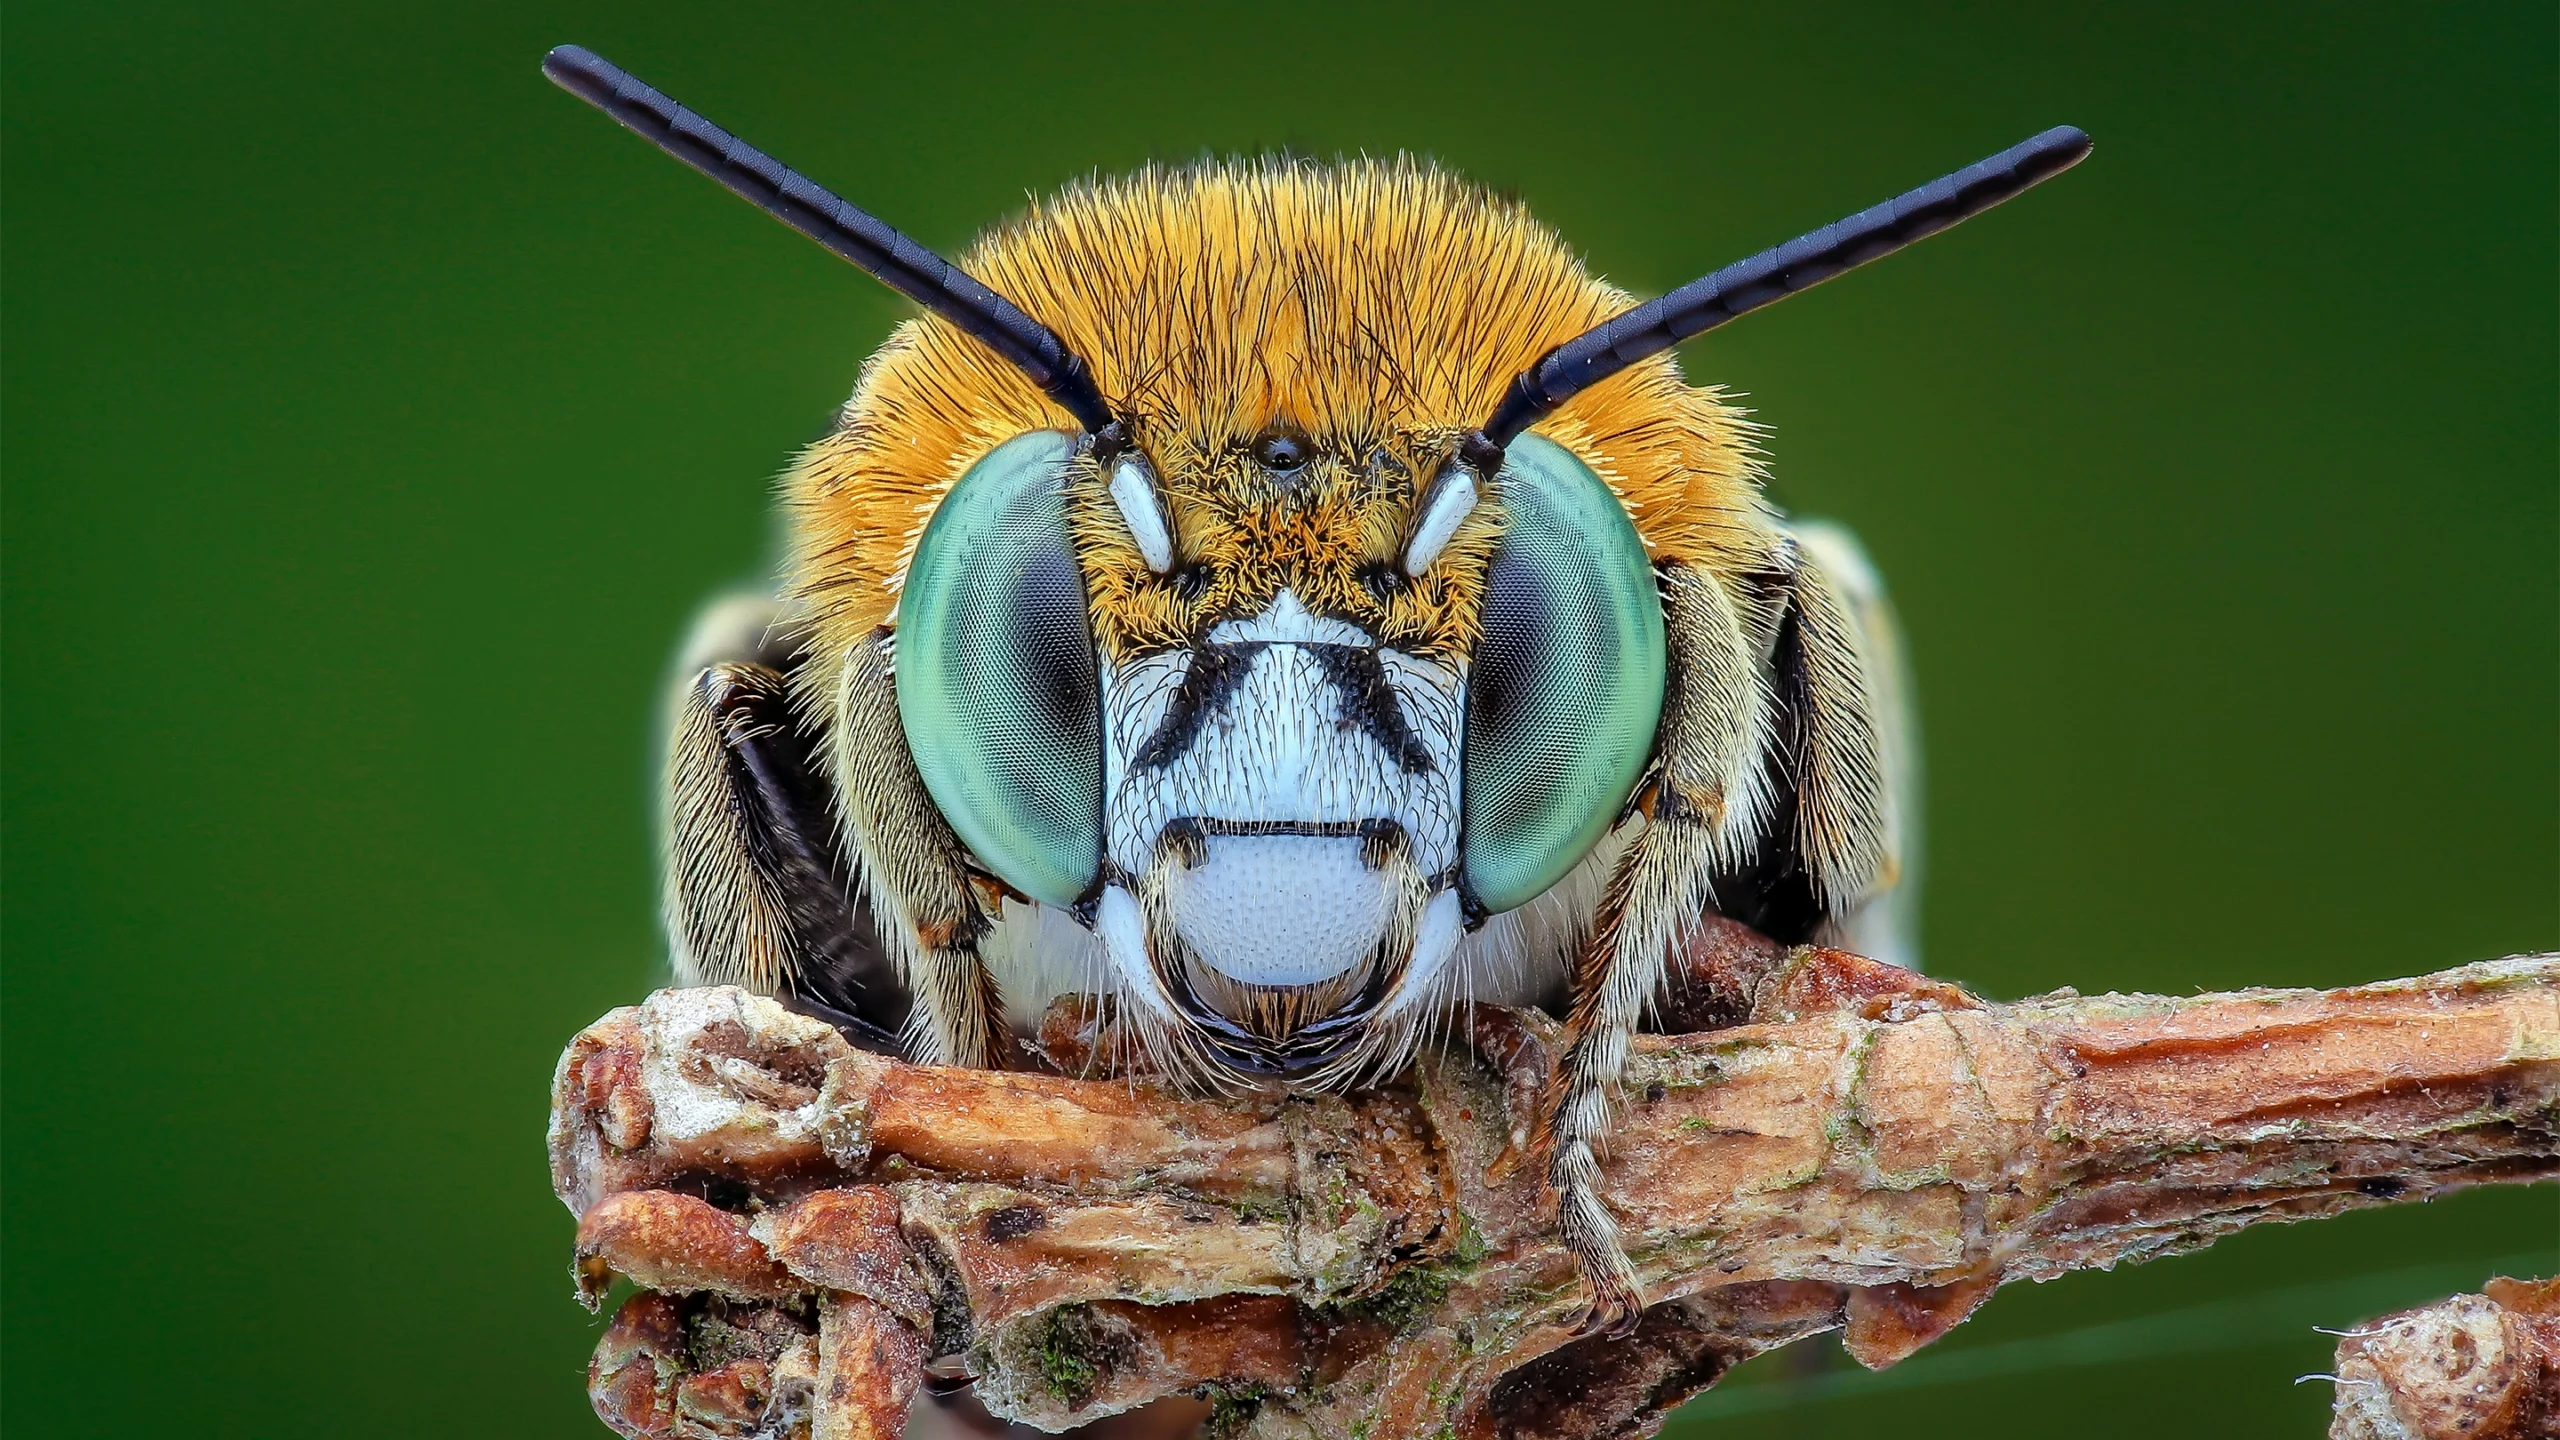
(996, 683)
(1566, 685)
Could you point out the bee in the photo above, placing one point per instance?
(1295, 600)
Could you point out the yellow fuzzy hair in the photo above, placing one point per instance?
(1378, 308)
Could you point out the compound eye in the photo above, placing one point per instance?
(1566, 685)
(997, 689)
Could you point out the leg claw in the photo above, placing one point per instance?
(1613, 1312)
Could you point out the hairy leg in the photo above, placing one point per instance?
(937, 910)
(1705, 800)
(757, 892)
(1768, 805)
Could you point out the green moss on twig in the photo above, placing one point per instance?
(1067, 1360)
(1408, 1295)
(1231, 1409)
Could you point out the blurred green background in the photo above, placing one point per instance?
(375, 415)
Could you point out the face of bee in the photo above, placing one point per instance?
(1282, 765)
(1279, 721)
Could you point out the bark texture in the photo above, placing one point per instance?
(812, 1227)
(2475, 1367)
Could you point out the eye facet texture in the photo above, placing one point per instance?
(1566, 685)
(996, 683)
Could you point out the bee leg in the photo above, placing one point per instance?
(1706, 800)
(756, 890)
(1770, 806)
(916, 869)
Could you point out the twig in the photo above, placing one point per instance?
(2474, 1367)
(1871, 1152)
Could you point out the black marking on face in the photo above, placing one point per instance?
(1381, 841)
(1320, 829)
(1367, 699)
(1186, 837)
(1185, 841)
(1369, 703)
(1216, 671)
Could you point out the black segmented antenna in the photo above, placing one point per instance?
(1800, 264)
(805, 206)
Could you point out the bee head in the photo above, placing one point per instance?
(1274, 685)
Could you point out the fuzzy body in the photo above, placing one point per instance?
(1306, 628)
(1373, 309)
(1283, 874)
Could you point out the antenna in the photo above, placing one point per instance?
(1772, 275)
(805, 206)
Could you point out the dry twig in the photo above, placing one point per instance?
(2475, 1367)
(1869, 1151)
